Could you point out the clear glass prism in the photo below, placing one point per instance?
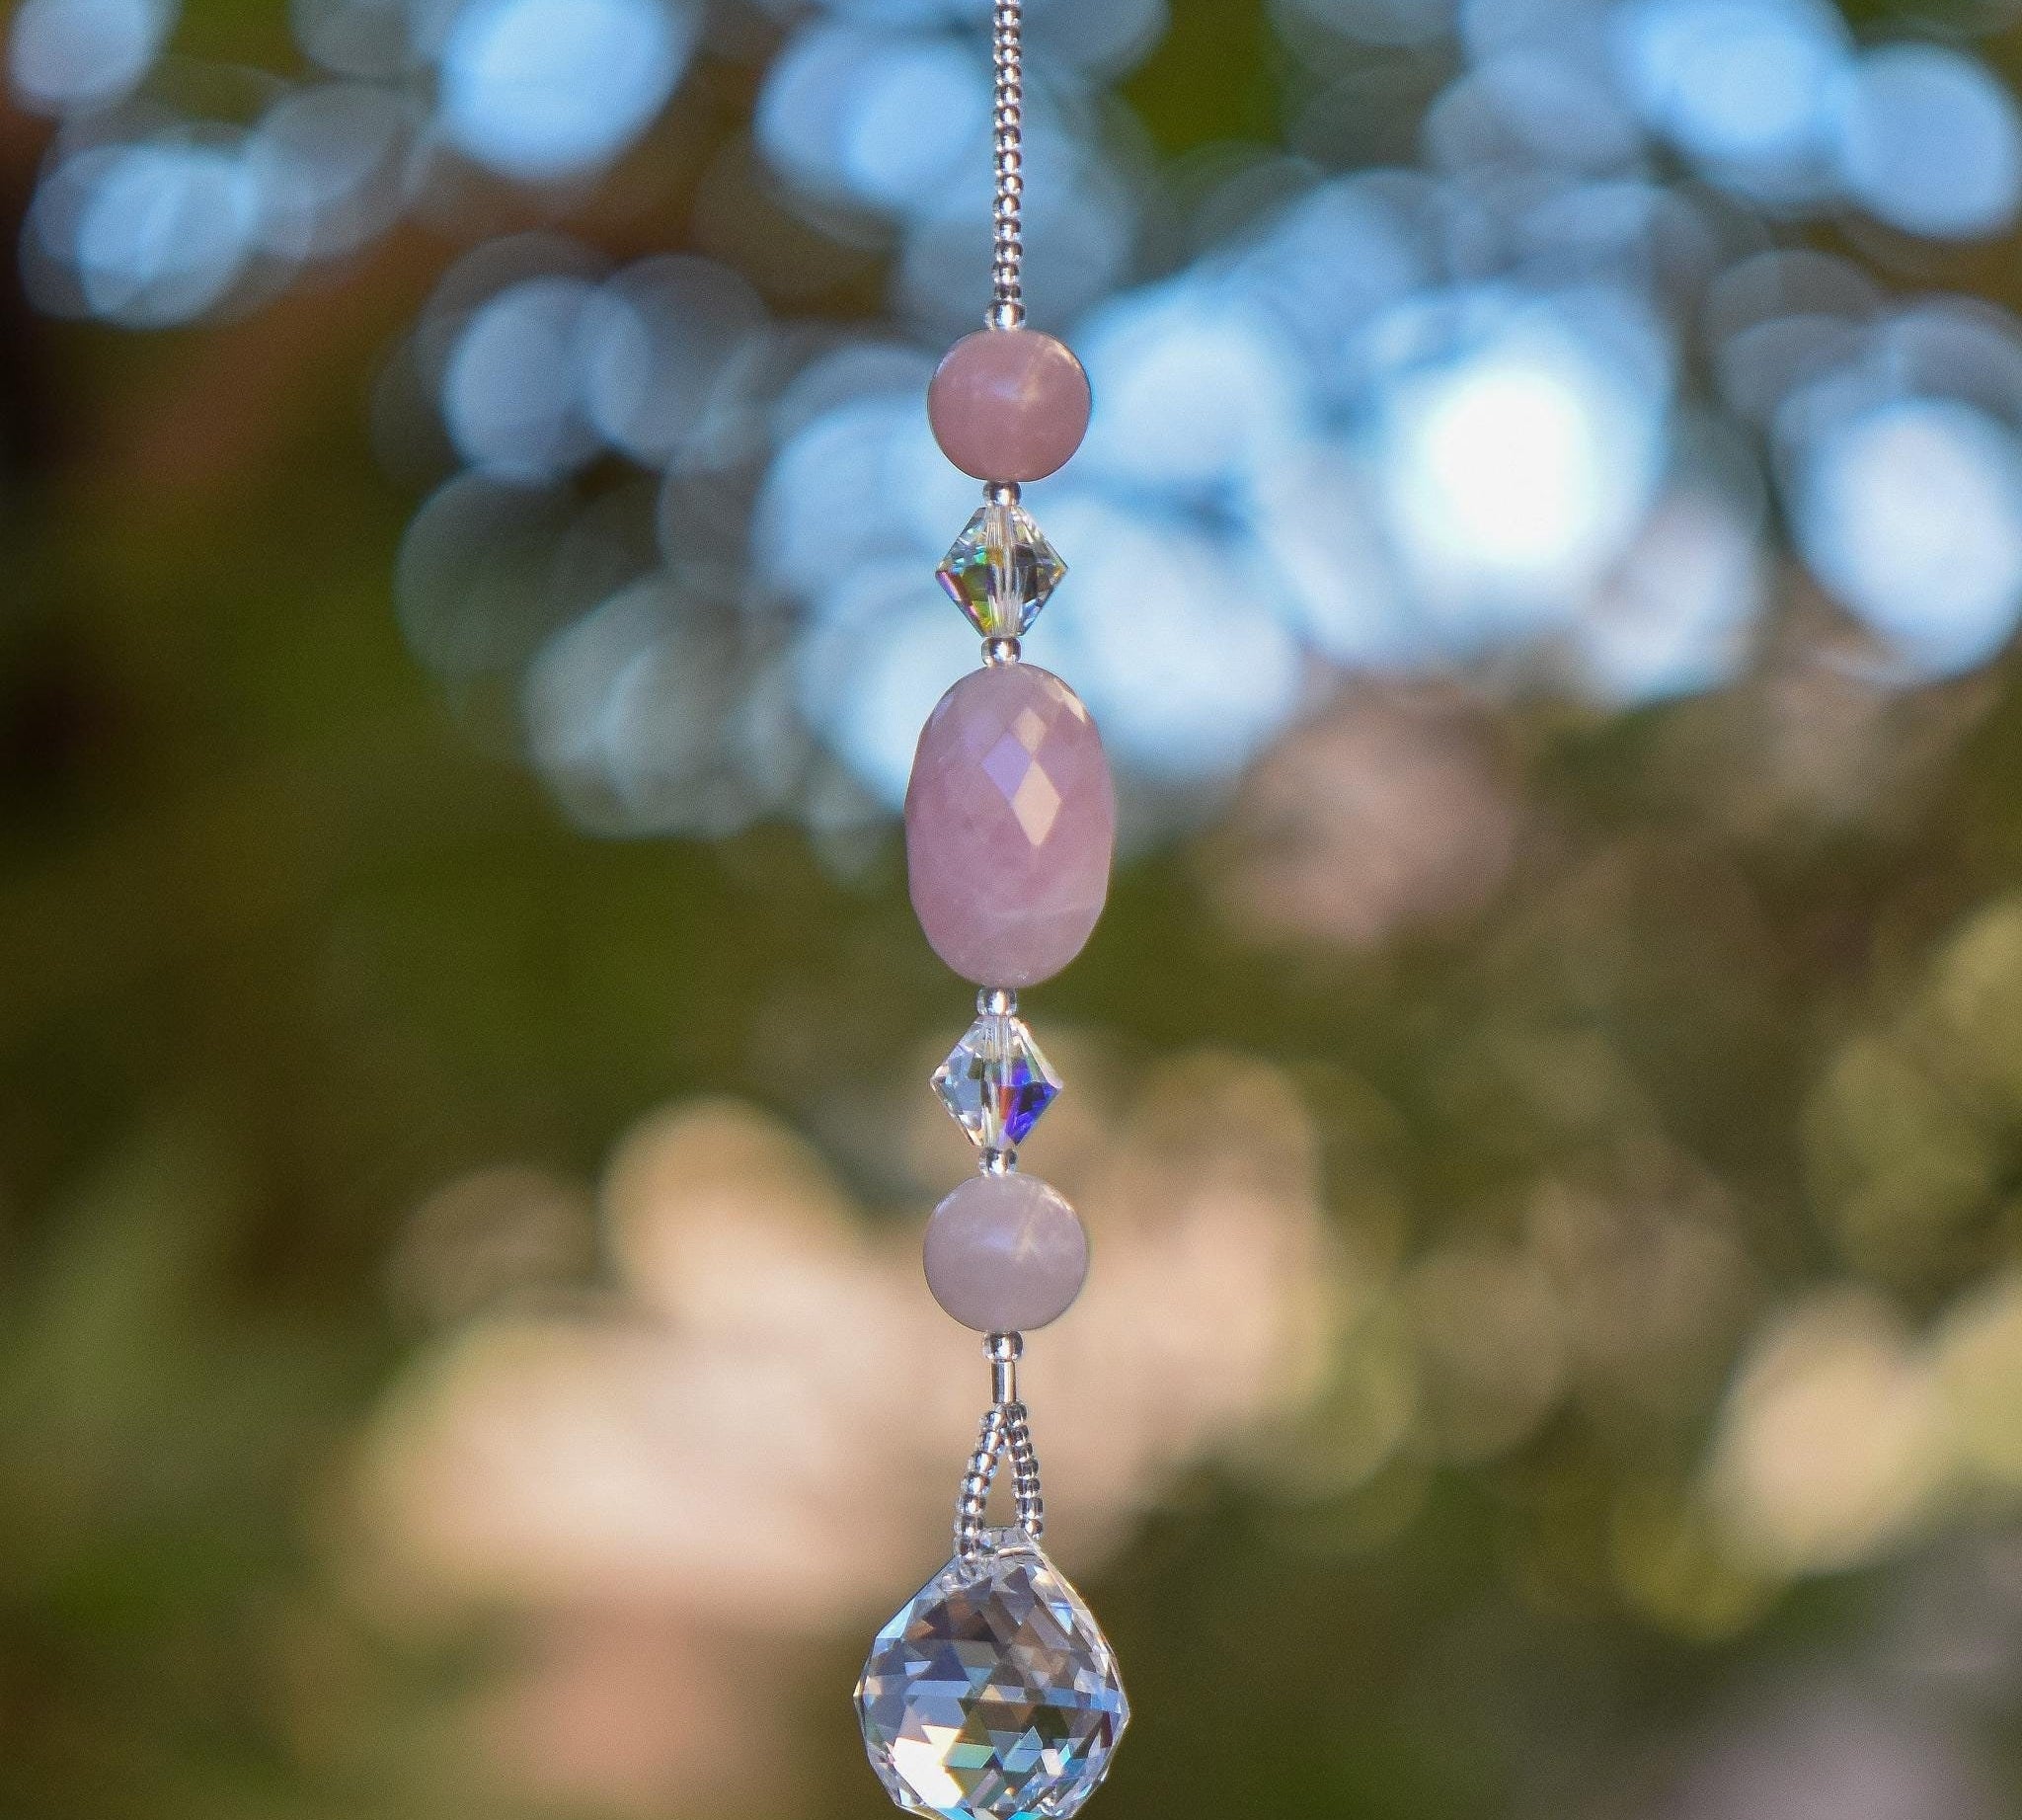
(995, 1083)
(1000, 571)
(992, 1691)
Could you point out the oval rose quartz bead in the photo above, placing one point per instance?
(1010, 823)
(1008, 404)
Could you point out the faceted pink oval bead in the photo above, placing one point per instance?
(1008, 404)
(1010, 823)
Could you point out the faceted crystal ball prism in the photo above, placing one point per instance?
(1000, 571)
(1010, 822)
(995, 1084)
(992, 1691)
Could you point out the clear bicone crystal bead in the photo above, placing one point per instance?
(995, 1084)
(1001, 571)
(992, 1691)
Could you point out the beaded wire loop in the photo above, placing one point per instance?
(1006, 1435)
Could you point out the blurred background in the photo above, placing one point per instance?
(1547, 1093)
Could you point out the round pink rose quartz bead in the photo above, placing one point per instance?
(1005, 1254)
(1010, 824)
(1008, 404)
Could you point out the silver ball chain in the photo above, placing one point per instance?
(1007, 148)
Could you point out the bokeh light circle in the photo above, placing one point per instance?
(1744, 87)
(878, 119)
(330, 164)
(513, 390)
(1912, 515)
(1931, 141)
(68, 54)
(146, 233)
(542, 90)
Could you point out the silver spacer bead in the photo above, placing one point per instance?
(996, 1001)
(1002, 492)
(996, 1162)
(1003, 1351)
(998, 651)
(1009, 314)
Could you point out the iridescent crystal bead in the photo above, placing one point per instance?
(1000, 570)
(995, 1083)
(992, 1691)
